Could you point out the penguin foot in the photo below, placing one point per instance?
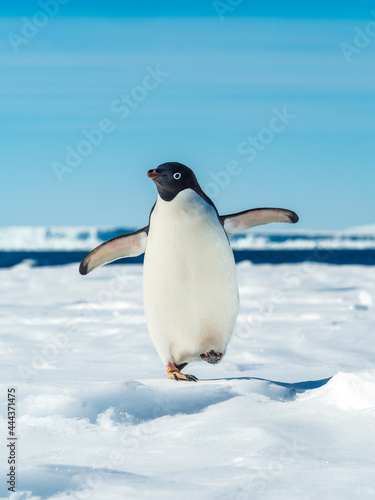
(212, 357)
(173, 372)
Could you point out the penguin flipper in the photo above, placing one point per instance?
(127, 245)
(240, 222)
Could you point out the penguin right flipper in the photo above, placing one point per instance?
(127, 245)
(240, 222)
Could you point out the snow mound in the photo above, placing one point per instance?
(348, 391)
(236, 438)
(141, 401)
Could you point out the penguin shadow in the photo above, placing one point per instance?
(291, 389)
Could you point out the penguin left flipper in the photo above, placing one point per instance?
(127, 245)
(240, 222)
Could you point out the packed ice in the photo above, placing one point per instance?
(288, 413)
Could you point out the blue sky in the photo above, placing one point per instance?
(148, 8)
(214, 85)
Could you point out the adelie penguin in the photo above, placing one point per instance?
(190, 285)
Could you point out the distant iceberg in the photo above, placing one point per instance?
(339, 240)
(55, 238)
(28, 238)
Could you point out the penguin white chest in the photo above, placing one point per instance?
(190, 284)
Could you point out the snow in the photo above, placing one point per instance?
(288, 413)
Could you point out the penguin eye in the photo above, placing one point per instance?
(177, 176)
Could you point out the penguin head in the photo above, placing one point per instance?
(171, 178)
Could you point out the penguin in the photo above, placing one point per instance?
(190, 289)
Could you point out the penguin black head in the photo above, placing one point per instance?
(171, 178)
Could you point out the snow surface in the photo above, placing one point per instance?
(287, 414)
(31, 238)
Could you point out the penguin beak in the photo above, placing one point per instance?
(152, 174)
